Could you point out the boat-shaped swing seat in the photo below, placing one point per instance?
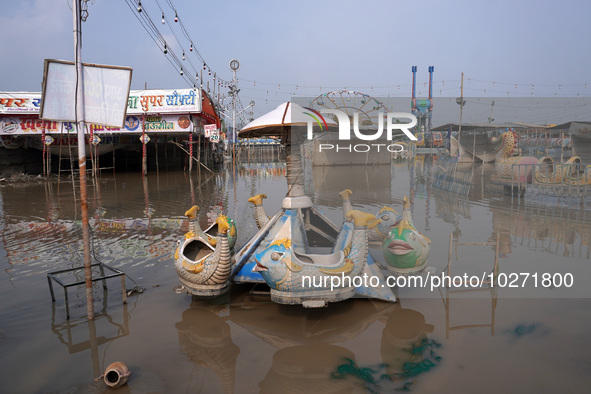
(212, 230)
(196, 250)
(336, 257)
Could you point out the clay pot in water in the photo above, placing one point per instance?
(116, 374)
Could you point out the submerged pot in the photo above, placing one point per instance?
(116, 374)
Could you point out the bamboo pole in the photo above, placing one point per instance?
(190, 156)
(156, 143)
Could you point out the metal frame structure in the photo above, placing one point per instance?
(116, 273)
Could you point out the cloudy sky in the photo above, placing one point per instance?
(517, 48)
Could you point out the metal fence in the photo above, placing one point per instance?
(447, 177)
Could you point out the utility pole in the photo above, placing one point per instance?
(82, 156)
(460, 101)
(234, 66)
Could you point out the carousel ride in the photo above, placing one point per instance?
(299, 253)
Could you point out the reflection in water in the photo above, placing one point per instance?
(135, 217)
(465, 290)
(206, 339)
(553, 229)
(404, 333)
(36, 247)
(263, 170)
(282, 326)
(451, 206)
(97, 330)
(454, 304)
(370, 186)
(406, 353)
(307, 357)
(561, 232)
(307, 368)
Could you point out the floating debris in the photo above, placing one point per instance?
(522, 330)
(135, 290)
(180, 289)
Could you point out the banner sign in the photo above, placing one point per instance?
(106, 91)
(186, 101)
(208, 129)
(29, 125)
(20, 103)
(164, 101)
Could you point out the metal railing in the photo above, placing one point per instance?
(550, 179)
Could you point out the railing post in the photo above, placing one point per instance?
(512, 176)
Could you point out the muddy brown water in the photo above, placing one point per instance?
(497, 340)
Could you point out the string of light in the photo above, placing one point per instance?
(143, 16)
(139, 11)
(438, 86)
(174, 59)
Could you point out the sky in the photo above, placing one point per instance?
(517, 48)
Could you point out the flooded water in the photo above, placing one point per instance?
(520, 339)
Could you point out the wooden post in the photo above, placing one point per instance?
(156, 143)
(166, 150)
(44, 148)
(144, 158)
(190, 152)
(113, 151)
(49, 163)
